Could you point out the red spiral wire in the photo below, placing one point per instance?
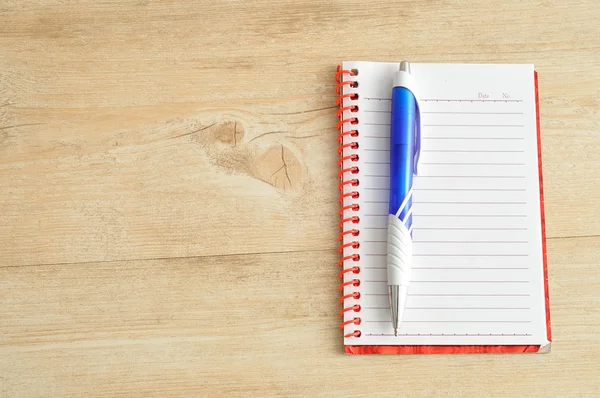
(348, 179)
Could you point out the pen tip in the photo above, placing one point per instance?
(396, 332)
(405, 66)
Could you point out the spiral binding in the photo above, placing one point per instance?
(344, 150)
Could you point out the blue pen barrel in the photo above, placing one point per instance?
(402, 148)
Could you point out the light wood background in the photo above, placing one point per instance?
(168, 212)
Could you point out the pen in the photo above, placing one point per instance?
(405, 137)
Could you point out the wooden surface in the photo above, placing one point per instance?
(168, 213)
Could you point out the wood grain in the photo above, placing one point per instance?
(264, 324)
(168, 202)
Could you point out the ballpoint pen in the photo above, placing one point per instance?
(405, 137)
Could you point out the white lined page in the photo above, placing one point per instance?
(477, 270)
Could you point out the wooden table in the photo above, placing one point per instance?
(168, 212)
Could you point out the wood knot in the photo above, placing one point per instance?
(280, 167)
(225, 146)
(228, 133)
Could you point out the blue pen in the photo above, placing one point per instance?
(405, 137)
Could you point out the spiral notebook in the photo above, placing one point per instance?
(479, 278)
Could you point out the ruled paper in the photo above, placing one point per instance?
(477, 272)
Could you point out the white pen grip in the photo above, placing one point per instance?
(399, 252)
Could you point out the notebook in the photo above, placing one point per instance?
(479, 276)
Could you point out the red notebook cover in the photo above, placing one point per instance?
(342, 127)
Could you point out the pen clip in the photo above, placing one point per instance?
(417, 136)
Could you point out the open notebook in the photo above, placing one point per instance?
(479, 279)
